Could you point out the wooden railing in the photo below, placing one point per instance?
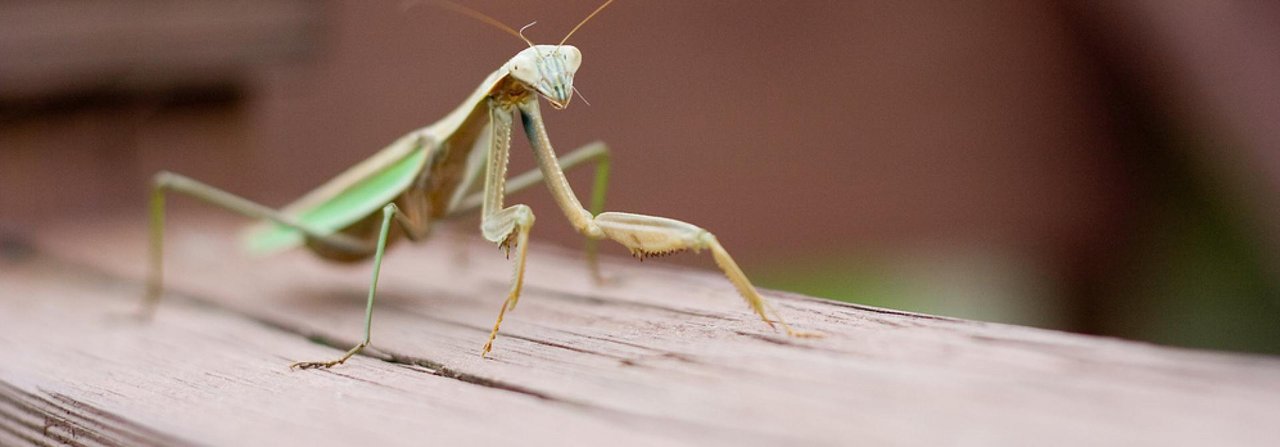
(656, 356)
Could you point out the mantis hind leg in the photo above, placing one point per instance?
(165, 182)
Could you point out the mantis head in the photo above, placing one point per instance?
(548, 69)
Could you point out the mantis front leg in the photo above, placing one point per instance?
(643, 235)
(498, 224)
(595, 152)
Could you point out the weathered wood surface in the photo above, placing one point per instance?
(661, 356)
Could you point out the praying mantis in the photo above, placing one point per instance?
(451, 168)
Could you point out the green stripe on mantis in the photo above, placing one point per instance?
(356, 202)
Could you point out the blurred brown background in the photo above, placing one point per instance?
(1096, 166)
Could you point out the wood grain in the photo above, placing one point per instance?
(657, 356)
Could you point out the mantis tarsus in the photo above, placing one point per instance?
(435, 173)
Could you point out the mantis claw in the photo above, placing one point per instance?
(331, 363)
(509, 243)
(312, 365)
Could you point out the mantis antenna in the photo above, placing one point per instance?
(521, 33)
(489, 20)
(584, 21)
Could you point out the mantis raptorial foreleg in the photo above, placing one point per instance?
(596, 152)
(498, 224)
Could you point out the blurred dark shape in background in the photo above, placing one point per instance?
(1096, 166)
